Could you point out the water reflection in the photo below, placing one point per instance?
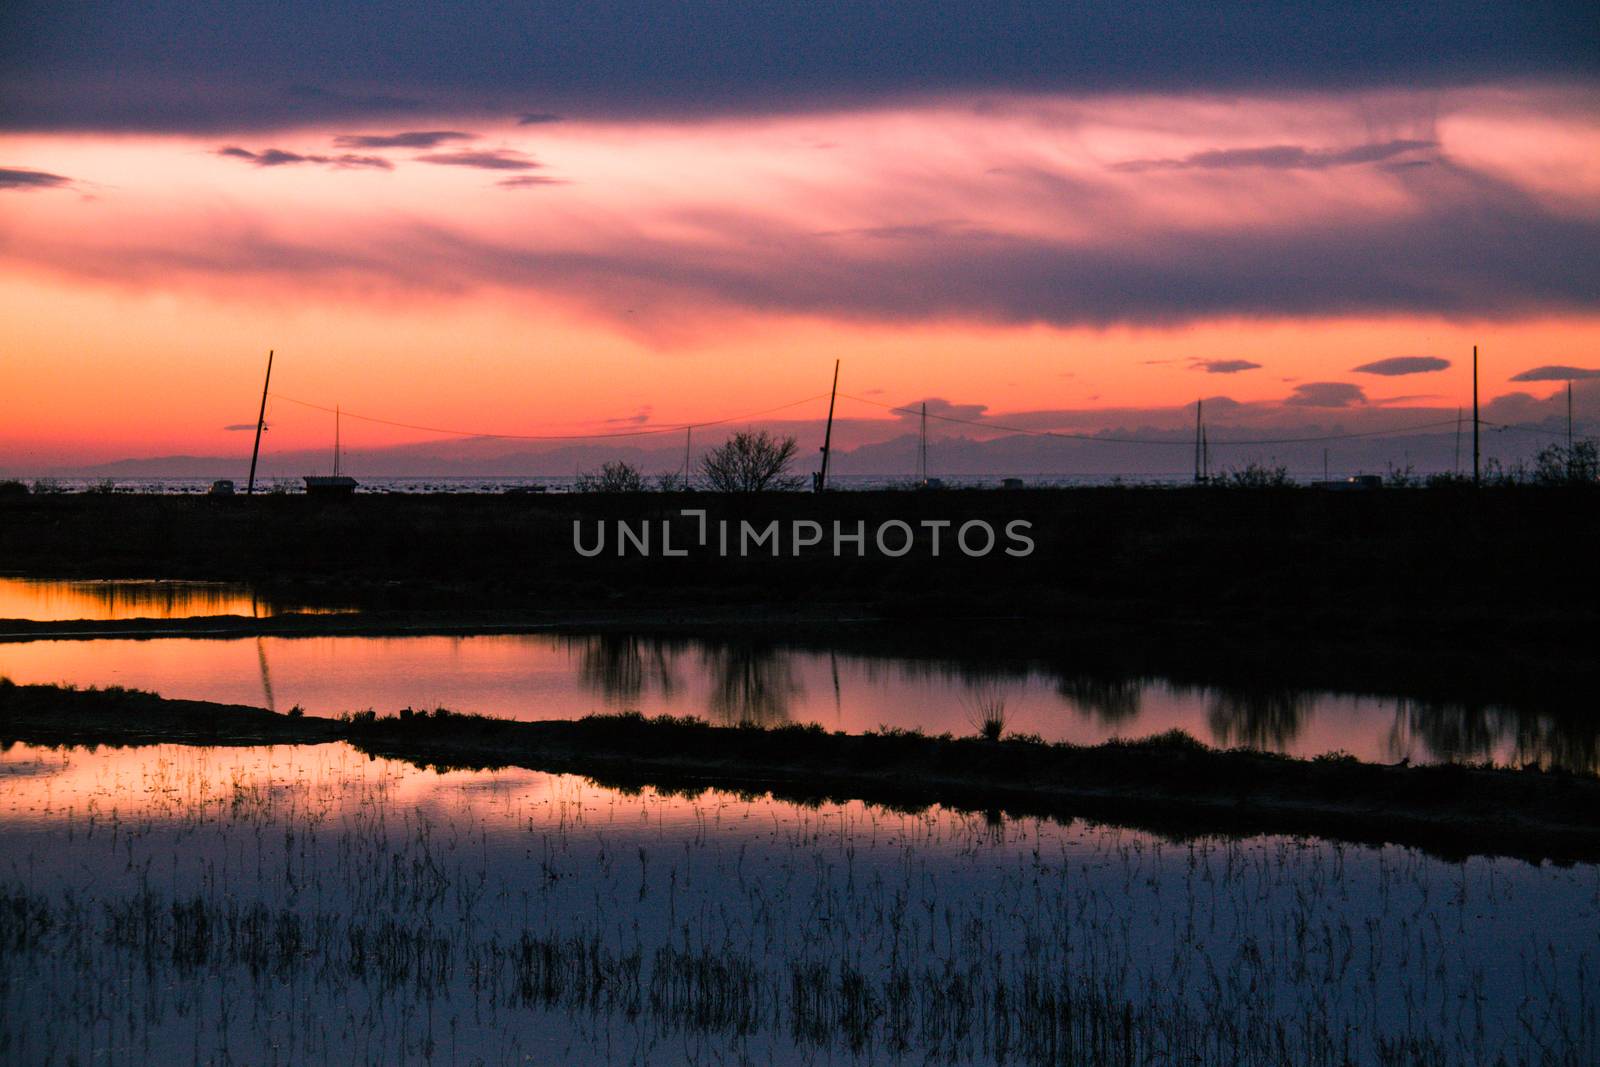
(311, 905)
(1109, 700)
(1263, 719)
(544, 676)
(268, 700)
(745, 683)
(750, 685)
(623, 667)
(58, 600)
(1479, 733)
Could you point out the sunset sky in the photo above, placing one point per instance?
(562, 218)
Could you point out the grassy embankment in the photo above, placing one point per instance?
(1170, 784)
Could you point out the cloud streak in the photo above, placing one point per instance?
(1225, 366)
(1400, 365)
(1495, 255)
(498, 159)
(1556, 373)
(530, 181)
(19, 178)
(409, 139)
(928, 216)
(277, 157)
(1278, 157)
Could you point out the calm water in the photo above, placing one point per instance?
(549, 676)
(54, 599)
(299, 905)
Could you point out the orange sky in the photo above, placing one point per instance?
(674, 272)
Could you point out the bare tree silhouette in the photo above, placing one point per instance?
(751, 462)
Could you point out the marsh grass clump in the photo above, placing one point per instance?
(986, 713)
(719, 992)
(1173, 740)
(576, 972)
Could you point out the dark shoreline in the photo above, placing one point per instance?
(1169, 785)
(1436, 594)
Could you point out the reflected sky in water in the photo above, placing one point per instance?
(1369, 940)
(55, 600)
(547, 676)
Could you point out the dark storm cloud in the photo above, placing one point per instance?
(494, 160)
(207, 65)
(1398, 365)
(1226, 366)
(1326, 395)
(1278, 157)
(16, 178)
(277, 157)
(411, 139)
(1556, 373)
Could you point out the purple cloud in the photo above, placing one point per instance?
(1326, 395)
(1279, 157)
(1225, 366)
(277, 157)
(537, 118)
(1398, 365)
(16, 178)
(939, 407)
(410, 139)
(1473, 247)
(529, 181)
(1556, 373)
(497, 159)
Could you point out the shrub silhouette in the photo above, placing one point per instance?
(618, 477)
(750, 463)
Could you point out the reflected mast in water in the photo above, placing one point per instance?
(266, 675)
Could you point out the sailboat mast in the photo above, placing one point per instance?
(336, 440)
